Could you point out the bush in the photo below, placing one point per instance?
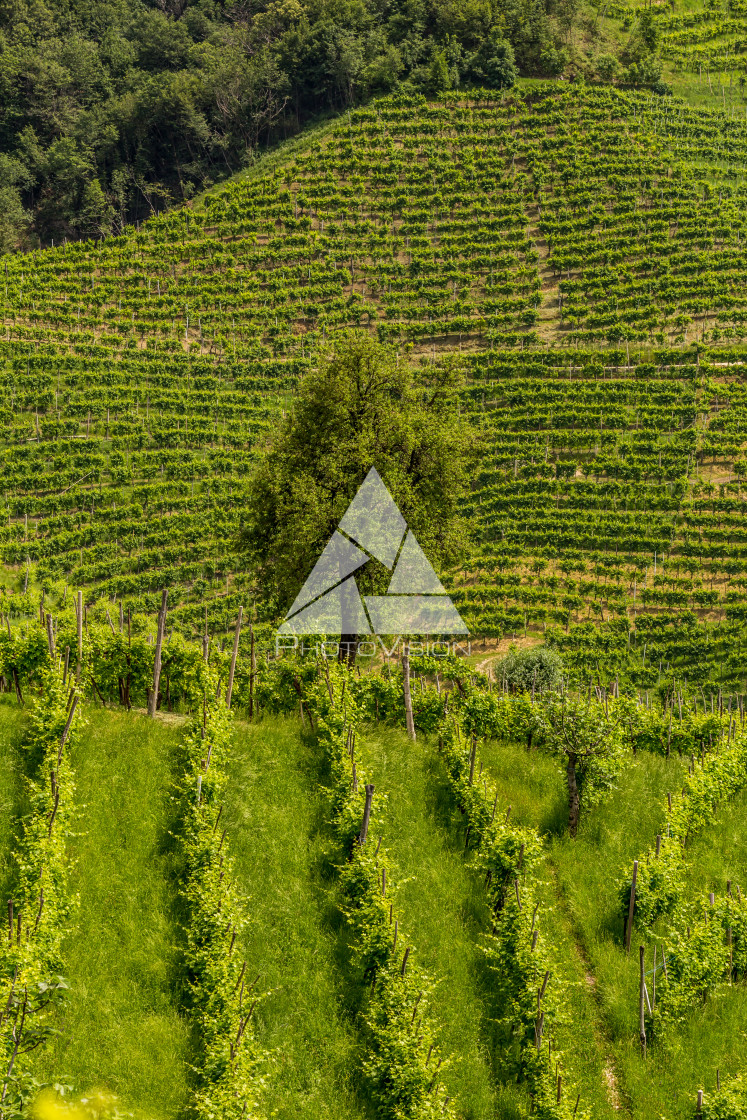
(553, 61)
(608, 67)
(523, 669)
(647, 72)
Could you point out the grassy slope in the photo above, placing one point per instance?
(275, 820)
(610, 838)
(533, 785)
(285, 863)
(442, 907)
(121, 1030)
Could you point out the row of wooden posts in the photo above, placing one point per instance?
(153, 695)
(47, 622)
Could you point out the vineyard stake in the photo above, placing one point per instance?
(80, 634)
(406, 688)
(252, 670)
(153, 698)
(631, 908)
(234, 656)
(366, 815)
(642, 1003)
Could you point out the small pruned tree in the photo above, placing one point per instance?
(588, 736)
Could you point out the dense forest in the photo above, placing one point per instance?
(113, 109)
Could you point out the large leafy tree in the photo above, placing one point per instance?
(362, 405)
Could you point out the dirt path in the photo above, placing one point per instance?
(175, 719)
(610, 1072)
(484, 665)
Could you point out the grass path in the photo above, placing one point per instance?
(610, 837)
(443, 909)
(120, 1030)
(533, 784)
(275, 817)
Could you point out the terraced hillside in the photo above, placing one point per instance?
(578, 251)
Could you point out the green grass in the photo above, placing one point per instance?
(713, 1037)
(275, 816)
(720, 853)
(12, 798)
(120, 1029)
(443, 908)
(615, 833)
(533, 784)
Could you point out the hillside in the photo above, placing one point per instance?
(576, 251)
(226, 932)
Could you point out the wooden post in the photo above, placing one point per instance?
(252, 669)
(80, 633)
(631, 908)
(234, 655)
(363, 834)
(50, 635)
(472, 756)
(642, 1002)
(699, 1105)
(408, 696)
(653, 985)
(153, 698)
(205, 639)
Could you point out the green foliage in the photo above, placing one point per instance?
(508, 856)
(727, 1103)
(361, 406)
(660, 881)
(31, 961)
(122, 1028)
(396, 1070)
(88, 99)
(221, 999)
(495, 64)
(527, 670)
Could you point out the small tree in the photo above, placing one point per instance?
(494, 63)
(590, 742)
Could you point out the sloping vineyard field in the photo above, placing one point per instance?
(121, 1028)
(471, 950)
(579, 252)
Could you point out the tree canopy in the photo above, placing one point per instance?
(361, 406)
(111, 110)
